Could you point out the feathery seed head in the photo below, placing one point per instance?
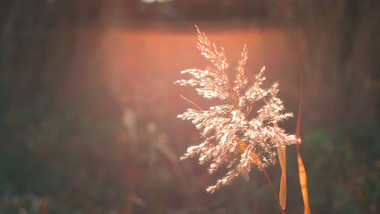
(231, 135)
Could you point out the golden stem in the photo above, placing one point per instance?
(273, 192)
(242, 148)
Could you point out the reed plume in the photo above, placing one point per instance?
(233, 132)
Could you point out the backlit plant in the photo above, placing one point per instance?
(242, 131)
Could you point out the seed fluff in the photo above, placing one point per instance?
(232, 133)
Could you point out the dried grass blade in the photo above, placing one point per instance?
(301, 167)
(303, 183)
(283, 186)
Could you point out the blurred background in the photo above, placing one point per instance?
(88, 107)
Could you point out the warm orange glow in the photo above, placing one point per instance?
(141, 65)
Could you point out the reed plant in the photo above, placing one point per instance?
(242, 131)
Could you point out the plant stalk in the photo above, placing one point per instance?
(273, 192)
